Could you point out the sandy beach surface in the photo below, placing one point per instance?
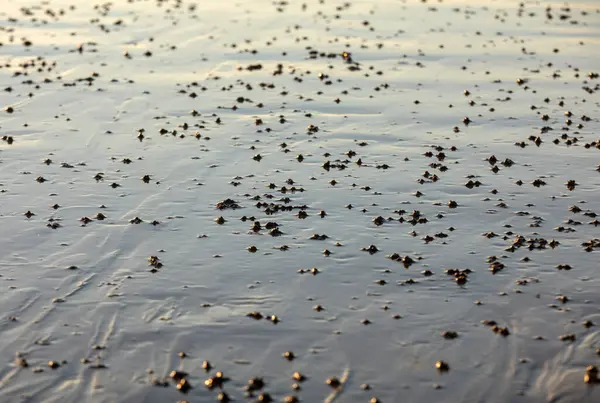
(350, 201)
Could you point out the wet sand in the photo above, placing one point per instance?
(402, 194)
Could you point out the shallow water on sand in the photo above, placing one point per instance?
(78, 88)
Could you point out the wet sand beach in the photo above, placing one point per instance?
(349, 201)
